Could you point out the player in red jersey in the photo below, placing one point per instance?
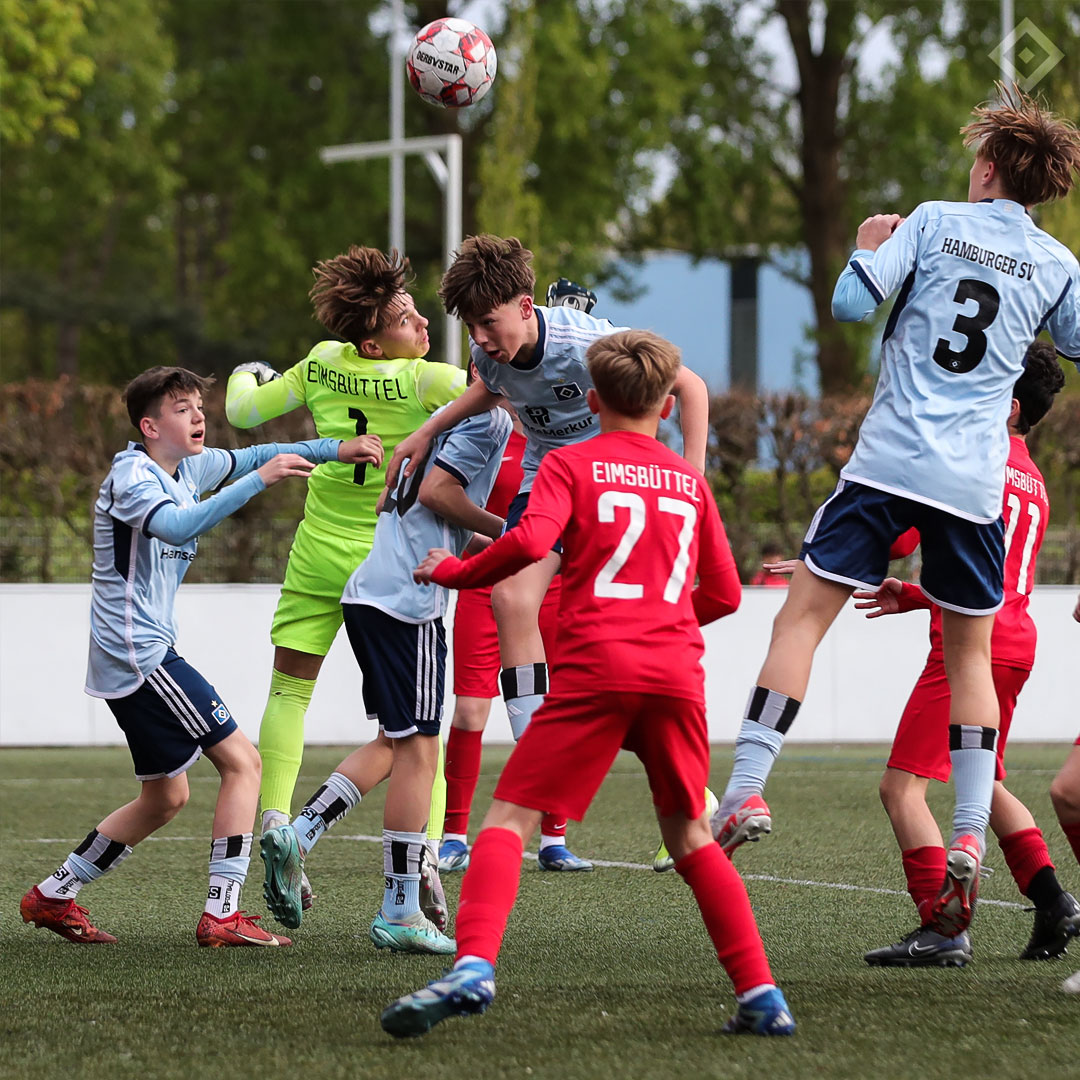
(920, 751)
(1065, 795)
(476, 682)
(637, 524)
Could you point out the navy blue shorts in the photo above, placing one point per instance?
(516, 510)
(404, 669)
(963, 562)
(171, 719)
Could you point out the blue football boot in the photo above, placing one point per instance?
(465, 990)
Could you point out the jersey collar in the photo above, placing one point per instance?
(538, 348)
(1021, 205)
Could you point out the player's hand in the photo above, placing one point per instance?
(875, 230)
(422, 574)
(782, 568)
(283, 465)
(414, 447)
(264, 373)
(362, 450)
(886, 601)
(1076, 613)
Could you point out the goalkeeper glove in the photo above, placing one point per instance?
(567, 293)
(264, 373)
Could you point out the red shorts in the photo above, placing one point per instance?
(476, 641)
(562, 759)
(921, 745)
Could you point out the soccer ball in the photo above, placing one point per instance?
(451, 63)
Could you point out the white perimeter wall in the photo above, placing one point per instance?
(862, 676)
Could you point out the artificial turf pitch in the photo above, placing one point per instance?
(603, 974)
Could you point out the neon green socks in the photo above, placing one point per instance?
(281, 739)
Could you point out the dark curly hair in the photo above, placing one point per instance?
(487, 272)
(1041, 381)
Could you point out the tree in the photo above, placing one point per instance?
(857, 131)
(79, 219)
(44, 66)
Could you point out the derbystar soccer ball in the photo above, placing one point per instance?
(451, 63)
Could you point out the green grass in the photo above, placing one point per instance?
(608, 974)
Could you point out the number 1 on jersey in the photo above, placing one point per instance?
(359, 473)
(605, 584)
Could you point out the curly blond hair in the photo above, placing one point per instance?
(1036, 152)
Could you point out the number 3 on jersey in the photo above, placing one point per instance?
(972, 327)
(605, 584)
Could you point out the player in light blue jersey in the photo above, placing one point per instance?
(977, 281)
(534, 357)
(147, 519)
(396, 631)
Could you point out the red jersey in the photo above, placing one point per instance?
(506, 486)
(1026, 511)
(637, 523)
(508, 481)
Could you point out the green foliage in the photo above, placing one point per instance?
(44, 66)
(182, 222)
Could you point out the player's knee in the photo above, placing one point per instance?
(471, 714)
(1066, 799)
(514, 605)
(163, 806)
(892, 792)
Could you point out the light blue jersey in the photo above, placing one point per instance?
(406, 529)
(549, 394)
(978, 282)
(145, 528)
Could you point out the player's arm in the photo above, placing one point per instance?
(256, 393)
(528, 542)
(886, 247)
(1064, 323)
(254, 468)
(443, 493)
(892, 598)
(693, 397)
(141, 502)
(475, 400)
(220, 465)
(718, 592)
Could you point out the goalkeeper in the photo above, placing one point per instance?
(372, 381)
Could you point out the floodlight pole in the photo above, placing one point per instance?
(1008, 70)
(442, 154)
(397, 130)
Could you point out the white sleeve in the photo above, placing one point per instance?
(1063, 322)
(884, 271)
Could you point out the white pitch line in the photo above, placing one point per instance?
(805, 883)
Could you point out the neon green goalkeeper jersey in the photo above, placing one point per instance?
(347, 395)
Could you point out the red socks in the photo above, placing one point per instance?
(1025, 853)
(1072, 832)
(488, 893)
(551, 825)
(924, 868)
(725, 907)
(462, 769)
